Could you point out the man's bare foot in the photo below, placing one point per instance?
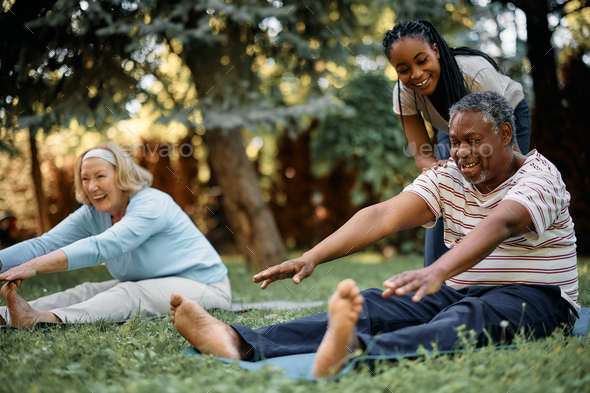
(209, 335)
(344, 308)
(22, 314)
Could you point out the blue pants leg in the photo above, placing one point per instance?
(481, 309)
(397, 325)
(305, 334)
(522, 117)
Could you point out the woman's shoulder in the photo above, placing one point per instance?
(472, 65)
(150, 197)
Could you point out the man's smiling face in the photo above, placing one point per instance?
(480, 153)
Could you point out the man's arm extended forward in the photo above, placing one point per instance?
(509, 219)
(366, 227)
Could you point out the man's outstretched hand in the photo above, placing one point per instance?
(423, 281)
(299, 269)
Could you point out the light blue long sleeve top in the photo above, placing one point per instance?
(154, 239)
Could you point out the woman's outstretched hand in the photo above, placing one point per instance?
(422, 281)
(22, 272)
(298, 269)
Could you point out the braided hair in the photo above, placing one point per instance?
(454, 85)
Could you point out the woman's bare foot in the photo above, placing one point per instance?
(22, 314)
(204, 332)
(344, 308)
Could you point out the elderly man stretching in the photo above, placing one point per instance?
(512, 261)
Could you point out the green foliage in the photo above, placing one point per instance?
(225, 45)
(55, 67)
(369, 140)
(145, 355)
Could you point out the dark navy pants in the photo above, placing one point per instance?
(434, 246)
(396, 325)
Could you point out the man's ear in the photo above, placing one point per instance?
(506, 133)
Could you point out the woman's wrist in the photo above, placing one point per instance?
(55, 261)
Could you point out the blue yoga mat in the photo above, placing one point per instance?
(301, 366)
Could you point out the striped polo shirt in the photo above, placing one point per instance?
(546, 255)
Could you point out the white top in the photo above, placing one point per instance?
(547, 255)
(479, 74)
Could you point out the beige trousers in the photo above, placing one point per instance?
(117, 300)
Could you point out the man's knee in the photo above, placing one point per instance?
(372, 293)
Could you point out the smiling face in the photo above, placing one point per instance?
(484, 157)
(98, 181)
(417, 64)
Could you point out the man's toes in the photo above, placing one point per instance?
(175, 300)
(357, 308)
(346, 284)
(358, 299)
(346, 287)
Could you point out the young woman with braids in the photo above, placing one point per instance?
(431, 78)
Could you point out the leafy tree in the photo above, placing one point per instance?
(55, 69)
(253, 64)
(369, 141)
(86, 60)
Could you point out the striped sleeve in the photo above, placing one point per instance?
(426, 186)
(544, 196)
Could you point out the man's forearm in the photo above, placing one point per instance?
(473, 248)
(372, 224)
(362, 230)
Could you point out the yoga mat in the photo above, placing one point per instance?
(301, 366)
(276, 304)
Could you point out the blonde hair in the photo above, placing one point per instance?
(129, 177)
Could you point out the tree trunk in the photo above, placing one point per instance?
(37, 181)
(542, 55)
(251, 221)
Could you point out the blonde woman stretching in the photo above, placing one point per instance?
(148, 244)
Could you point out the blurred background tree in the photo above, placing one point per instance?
(285, 105)
(56, 70)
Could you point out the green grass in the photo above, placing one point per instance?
(145, 355)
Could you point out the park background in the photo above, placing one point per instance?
(287, 110)
(282, 111)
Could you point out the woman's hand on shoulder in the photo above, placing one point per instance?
(435, 165)
(298, 269)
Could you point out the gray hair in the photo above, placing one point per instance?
(494, 108)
